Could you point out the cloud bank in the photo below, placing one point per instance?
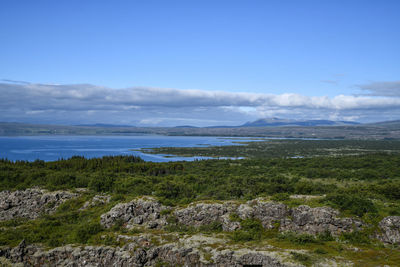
(382, 88)
(143, 106)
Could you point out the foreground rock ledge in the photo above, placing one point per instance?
(194, 251)
(198, 250)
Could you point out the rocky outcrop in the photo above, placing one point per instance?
(304, 219)
(390, 230)
(144, 211)
(172, 254)
(205, 213)
(30, 203)
(269, 213)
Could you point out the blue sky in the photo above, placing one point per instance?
(302, 48)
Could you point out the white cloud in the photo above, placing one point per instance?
(142, 105)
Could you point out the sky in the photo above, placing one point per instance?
(198, 62)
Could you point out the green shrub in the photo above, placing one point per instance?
(356, 237)
(134, 231)
(174, 190)
(181, 228)
(243, 236)
(101, 184)
(394, 211)
(212, 227)
(118, 198)
(175, 226)
(325, 236)
(280, 197)
(234, 217)
(354, 203)
(118, 224)
(299, 239)
(251, 229)
(86, 231)
(390, 190)
(165, 212)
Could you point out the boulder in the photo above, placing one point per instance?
(390, 230)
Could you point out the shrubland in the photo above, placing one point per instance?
(365, 185)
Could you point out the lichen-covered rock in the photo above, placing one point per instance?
(144, 211)
(30, 203)
(270, 213)
(206, 213)
(228, 225)
(201, 213)
(304, 219)
(244, 211)
(82, 256)
(390, 230)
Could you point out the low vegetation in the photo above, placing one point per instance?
(366, 185)
(285, 148)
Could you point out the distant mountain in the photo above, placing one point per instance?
(186, 126)
(286, 122)
(377, 130)
(395, 123)
(105, 125)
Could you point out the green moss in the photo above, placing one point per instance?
(303, 258)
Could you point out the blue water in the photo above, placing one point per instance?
(50, 148)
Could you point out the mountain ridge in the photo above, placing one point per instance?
(265, 122)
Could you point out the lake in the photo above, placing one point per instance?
(50, 148)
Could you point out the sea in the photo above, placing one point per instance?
(51, 148)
